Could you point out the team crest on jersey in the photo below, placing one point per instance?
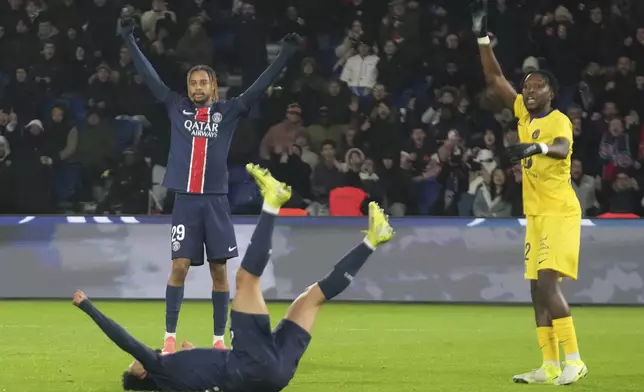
(217, 117)
(535, 134)
(527, 163)
(176, 245)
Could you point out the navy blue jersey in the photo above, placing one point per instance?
(201, 134)
(192, 370)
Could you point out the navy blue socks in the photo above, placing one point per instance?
(220, 300)
(344, 271)
(259, 249)
(173, 299)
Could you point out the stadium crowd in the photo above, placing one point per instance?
(388, 97)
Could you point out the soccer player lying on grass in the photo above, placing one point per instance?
(260, 359)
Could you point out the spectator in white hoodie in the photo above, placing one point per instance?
(360, 72)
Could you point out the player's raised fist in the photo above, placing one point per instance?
(478, 9)
(79, 297)
(294, 39)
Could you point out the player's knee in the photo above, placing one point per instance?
(219, 275)
(179, 270)
(313, 295)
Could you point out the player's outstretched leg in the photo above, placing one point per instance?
(248, 298)
(552, 297)
(305, 308)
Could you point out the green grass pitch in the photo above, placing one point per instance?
(52, 346)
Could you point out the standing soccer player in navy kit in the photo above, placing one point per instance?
(260, 359)
(202, 129)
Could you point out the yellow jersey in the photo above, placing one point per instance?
(547, 188)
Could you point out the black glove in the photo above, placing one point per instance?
(520, 151)
(127, 25)
(478, 9)
(294, 40)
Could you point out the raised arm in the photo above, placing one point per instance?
(491, 68)
(119, 335)
(291, 45)
(142, 65)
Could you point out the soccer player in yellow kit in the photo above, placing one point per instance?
(551, 207)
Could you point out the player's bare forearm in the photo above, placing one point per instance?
(491, 68)
(559, 148)
(494, 76)
(143, 66)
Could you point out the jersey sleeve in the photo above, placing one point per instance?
(160, 91)
(563, 128)
(259, 87)
(520, 111)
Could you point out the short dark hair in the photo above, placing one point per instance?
(132, 382)
(328, 142)
(548, 76)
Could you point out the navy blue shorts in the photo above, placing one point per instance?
(202, 220)
(261, 359)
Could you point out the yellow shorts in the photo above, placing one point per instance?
(552, 242)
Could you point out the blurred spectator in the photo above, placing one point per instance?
(282, 136)
(380, 133)
(584, 186)
(48, 73)
(288, 167)
(348, 47)
(97, 152)
(623, 195)
(491, 198)
(250, 41)
(322, 129)
(397, 187)
(308, 88)
(392, 69)
(33, 159)
(101, 19)
(130, 184)
(195, 47)
(326, 175)
(309, 157)
(341, 105)
(360, 71)
(101, 92)
(615, 149)
(22, 94)
(62, 135)
(151, 18)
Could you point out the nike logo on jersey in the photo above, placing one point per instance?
(230, 249)
(187, 113)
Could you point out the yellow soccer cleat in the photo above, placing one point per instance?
(275, 193)
(379, 231)
(573, 371)
(546, 374)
